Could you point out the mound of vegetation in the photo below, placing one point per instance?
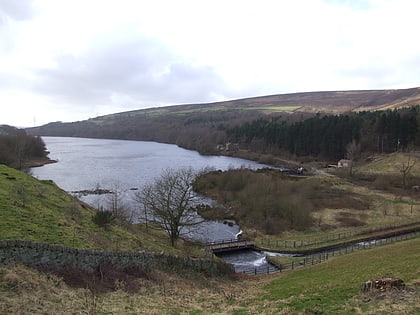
(272, 202)
(17, 149)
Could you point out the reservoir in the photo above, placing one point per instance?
(126, 166)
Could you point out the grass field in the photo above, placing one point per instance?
(332, 287)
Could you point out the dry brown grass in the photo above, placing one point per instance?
(26, 291)
(366, 205)
(402, 302)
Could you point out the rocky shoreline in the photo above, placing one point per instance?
(38, 162)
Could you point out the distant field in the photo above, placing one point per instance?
(274, 108)
(391, 164)
(270, 109)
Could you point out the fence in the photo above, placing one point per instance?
(323, 256)
(328, 238)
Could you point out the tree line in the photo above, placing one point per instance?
(17, 147)
(328, 136)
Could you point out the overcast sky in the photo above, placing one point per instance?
(68, 60)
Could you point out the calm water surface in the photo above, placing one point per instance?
(85, 164)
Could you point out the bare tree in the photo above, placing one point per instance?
(21, 148)
(169, 201)
(116, 205)
(352, 153)
(405, 169)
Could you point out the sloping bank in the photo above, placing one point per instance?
(384, 234)
(57, 258)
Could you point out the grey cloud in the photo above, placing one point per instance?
(16, 10)
(382, 74)
(138, 68)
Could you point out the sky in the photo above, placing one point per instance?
(70, 60)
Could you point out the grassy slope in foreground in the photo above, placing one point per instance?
(334, 287)
(328, 288)
(39, 211)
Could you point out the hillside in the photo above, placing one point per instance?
(38, 210)
(202, 126)
(332, 287)
(6, 130)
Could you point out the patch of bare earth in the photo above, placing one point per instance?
(401, 301)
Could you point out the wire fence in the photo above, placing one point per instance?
(317, 258)
(328, 238)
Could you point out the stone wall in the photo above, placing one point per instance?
(56, 258)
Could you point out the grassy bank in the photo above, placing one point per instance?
(332, 287)
(40, 211)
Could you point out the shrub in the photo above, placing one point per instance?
(103, 218)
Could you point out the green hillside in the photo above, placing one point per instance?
(40, 211)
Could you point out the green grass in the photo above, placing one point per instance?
(329, 288)
(275, 108)
(332, 287)
(389, 164)
(40, 211)
(238, 108)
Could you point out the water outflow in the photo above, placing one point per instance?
(254, 262)
(250, 261)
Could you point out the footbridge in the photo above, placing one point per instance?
(231, 245)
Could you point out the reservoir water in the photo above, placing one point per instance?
(86, 164)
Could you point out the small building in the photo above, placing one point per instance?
(232, 146)
(228, 147)
(344, 163)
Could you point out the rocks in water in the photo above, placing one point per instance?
(97, 191)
